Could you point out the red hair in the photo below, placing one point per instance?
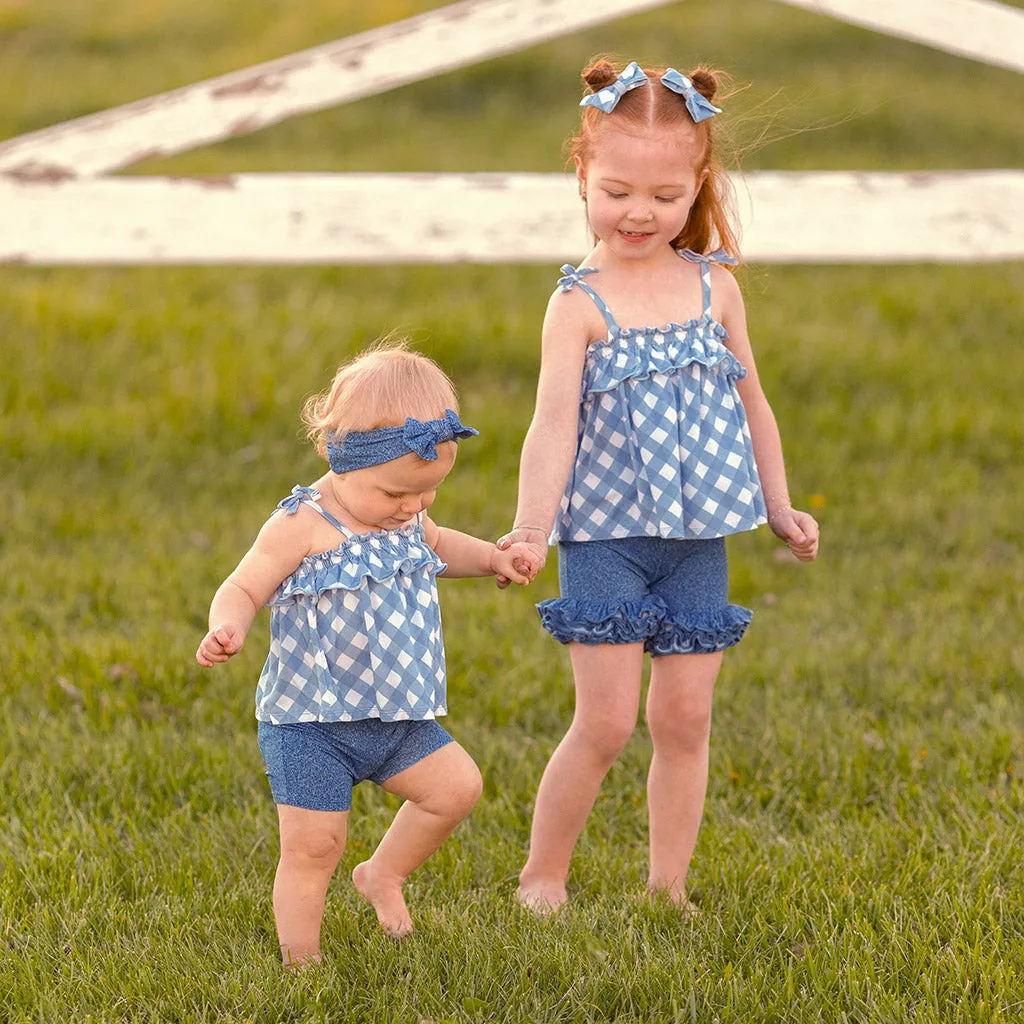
(711, 223)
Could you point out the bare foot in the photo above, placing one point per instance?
(303, 963)
(689, 911)
(678, 898)
(542, 897)
(386, 898)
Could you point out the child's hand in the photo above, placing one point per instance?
(516, 563)
(799, 530)
(220, 644)
(534, 539)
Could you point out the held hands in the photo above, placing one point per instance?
(531, 539)
(220, 644)
(798, 529)
(516, 562)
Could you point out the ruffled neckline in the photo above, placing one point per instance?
(637, 355)
(375, 557)
(693, 324)
(353, 544)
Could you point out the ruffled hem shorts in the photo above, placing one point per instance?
(670, 595)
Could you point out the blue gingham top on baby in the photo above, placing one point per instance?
(664, 449)
(355, 632)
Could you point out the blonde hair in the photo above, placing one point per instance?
(710, 224)
(378, 388)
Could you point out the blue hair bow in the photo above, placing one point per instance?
(699, 106)
(607, 98)
(423, 438)
(360, 449)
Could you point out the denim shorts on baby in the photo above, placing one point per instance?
(671, 595)
(315, 764)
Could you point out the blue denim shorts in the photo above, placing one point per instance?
(315, 764)
(670, 595)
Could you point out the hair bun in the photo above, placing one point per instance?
(599, 74)
(705, 81)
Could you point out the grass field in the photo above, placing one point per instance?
(861, 854)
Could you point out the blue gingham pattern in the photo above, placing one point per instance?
(664, 447)
(355, 632)
(607, 99)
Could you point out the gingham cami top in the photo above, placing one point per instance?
(355, 632)
(664, 449)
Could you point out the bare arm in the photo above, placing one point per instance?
(470, 556)
(798, 529)
(550, 444)
(276, 553)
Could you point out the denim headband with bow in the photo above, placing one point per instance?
(360, 449)
(607, 97)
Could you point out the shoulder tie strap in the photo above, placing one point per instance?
(310, 496)
(572, 276)
(705, 260)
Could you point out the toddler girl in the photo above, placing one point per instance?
(355, 679)
(651, 441)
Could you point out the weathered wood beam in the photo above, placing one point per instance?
(980, 29)
(817, 217)
(324, 76)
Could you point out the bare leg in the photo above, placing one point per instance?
(607, 700)
(312, 843)
(679, 721)
(439, 792)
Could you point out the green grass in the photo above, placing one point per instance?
(860, 858)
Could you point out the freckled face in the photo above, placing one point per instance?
(639, 189)
(386, 496)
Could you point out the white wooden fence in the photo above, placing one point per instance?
(55, 210)
(492, 218)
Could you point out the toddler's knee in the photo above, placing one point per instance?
(465, 792)
(314, 848)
